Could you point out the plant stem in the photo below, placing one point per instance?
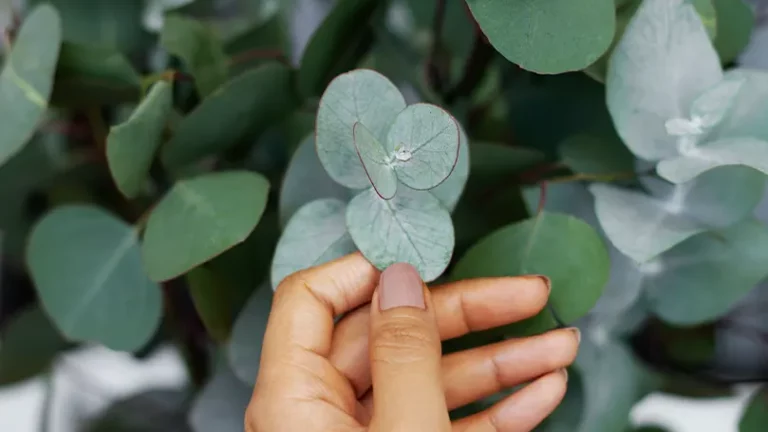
(542, 198)
(474, 69)
(610, 177)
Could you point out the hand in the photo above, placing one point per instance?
(380, 368)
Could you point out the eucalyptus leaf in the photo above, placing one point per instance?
(746, 117)
(735, 21)
(590, 154)
(413, 227)
(547, 37)
(28, 346)
(423, 145)
(244, 349)
(662, 63)
(361, 96)
(749, 152)
(86, 266)
(561, 247)
(378, 165)
(755, 416)
(131, 146)
(210, 295)
(27, 78)
(201, 218)
(450, 190)
(240, 109)
(305, 180)
(200, 49)
(220, 405)
(702, 278)
(317, 233)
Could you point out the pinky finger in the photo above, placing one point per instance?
(523, 410)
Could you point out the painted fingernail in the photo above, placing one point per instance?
(577, 333)
(400, 286)
(564, 371)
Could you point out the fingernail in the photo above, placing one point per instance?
(548, 282)
(577, 333)
(400, 285)
(564, 371)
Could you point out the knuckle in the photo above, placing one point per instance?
(403, 341)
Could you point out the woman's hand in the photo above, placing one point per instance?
(380, 367)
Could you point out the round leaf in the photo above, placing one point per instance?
(131, 146)
(244, 350)
(755, 416)
(547, 37)
(362, 96)
(745, 151)
(316, 234)
(561, 247)
(199, 219)
(412, 227)
(305, 180)
(377, 164)
(735, 21)
(423, 144)
(86, 266)
(662, 63)
(449, 191)
(27, 78)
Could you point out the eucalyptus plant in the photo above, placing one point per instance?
(165, 164)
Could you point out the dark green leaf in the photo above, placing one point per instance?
(210, 295)
(28, 346)
(27, 79)
(547, 37)
(735, 21)
(149, 411)
(755, 417)
(590, 154)
(131, 146)
(564, 248)
(201, 218)
(258, 44)
(337, 45)
(200, 49)
(236, 112)
(244, 350)
(87, 269)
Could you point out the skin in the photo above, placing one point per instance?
(383, 371)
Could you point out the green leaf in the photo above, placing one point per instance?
(221, 404)
(28, 346)
(561, 247)
(424, 140)
(337, 45)
(236, 112)
(268, 37)
(449, 191)
(749, 108)
(324, 222)
(412, 227)
(662, 63)
(86, 266)
(201, 218)
(27, 78)
(590, 154)
(746, 151)
(361, 96)
(755, 416)
(735, 21)
(378, 165)
(491, 160)
(89, 75)
(210, 294)
(199, 48)
(569, 412)
(702, 278)
(708, 16)
(305, 180)
(624, 13)
(547, 37)
(131, 145)
(244, 349)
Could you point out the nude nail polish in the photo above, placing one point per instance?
(400, 286)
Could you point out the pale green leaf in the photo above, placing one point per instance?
(662, 63)
(561, 247)
(201, 218)
(735, 21)
(220, 405)
(199, 48)
(449, 191)
(547, 37)
(305, 180)
(749, 109)
(755, 416)
(244, 349)
(702, 278)
(378, 165)
(708, 16)
(28, 346)
(362, 96)
(237, 111)
(27, 78)
(131, 146)
(86, 266)
(749, 152)
(412, 227)
(423, 143)
(317, 233)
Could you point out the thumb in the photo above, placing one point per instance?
(405, 355)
